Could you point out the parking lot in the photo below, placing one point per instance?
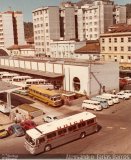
(115, 127)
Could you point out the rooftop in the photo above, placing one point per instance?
(91, 47)
(28, 46)
(119, 28)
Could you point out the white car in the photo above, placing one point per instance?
(123, 95)
(127, 92)
(90, 104)
(49, 118)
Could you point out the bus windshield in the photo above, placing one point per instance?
(56, 98)
(29, 139)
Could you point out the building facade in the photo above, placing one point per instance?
(11, 29)
(46, 27)
(120, 14)
(65, 49)
(81, 77)
(94, 19)
(116, 44)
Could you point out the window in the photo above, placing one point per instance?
(122, 39)
(129, 48)
(129, 57)
(109, 48)
(82, 124)
(115, 48)
(103, 48)
(90, 121)
(129, 39)
(51, 135)
(103, 40)
(109, 40)
(62, 131)
(71, 128)
(122, 48)
(76, 83)
(115, 40)
(122, 57)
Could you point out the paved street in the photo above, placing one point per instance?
(113, 138)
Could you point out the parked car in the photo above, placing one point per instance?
(123, 95)
(3, 133)
(103, 102)
(90, 104)
(112, 96)
(49, 118)
(16, 129)
(28, 124)
(127, 92)
(109, 100)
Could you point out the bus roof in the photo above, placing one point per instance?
(44, 91)
(34, 79)
(60, 123)
(21, 77)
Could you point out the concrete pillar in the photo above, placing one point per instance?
(9, 100)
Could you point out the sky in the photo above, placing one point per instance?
(27, 6)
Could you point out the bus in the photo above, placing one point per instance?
(49, 135)
(20, 78)
(35, 81)
(8, 76)
(48, 96)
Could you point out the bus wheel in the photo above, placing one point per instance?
(82, 135)
(47, 148)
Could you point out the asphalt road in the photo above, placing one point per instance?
(113, 138)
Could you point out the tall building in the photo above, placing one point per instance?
(67, 23)
(46, 23)
(11, 29)
(119, 14)
(94, 19)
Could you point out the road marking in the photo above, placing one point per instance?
(109, 127)
(123, 128)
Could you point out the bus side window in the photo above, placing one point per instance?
(62, 131)
(81, 124)
(51, 135)
(41, 140)
(71, 128)
(90, 121)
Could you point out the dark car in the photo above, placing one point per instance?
(16, 129)
(28, 124)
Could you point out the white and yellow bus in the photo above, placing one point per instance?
(48, 96)
(49, 135)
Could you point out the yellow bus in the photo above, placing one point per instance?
(45, 95)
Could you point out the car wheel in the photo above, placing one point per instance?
(47, 148)
(82, 135)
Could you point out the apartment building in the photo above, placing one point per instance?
(67, 23)
(65, 49)
(94, 19)
(11, 29)
(116, 44)
(46, 23)
(119, 14)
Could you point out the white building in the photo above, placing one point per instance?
(11, 29)
(21, 50)
(78, 76)
(120, 14)
(65, 49)
(129, 21)
(94, 19)
(46, 25)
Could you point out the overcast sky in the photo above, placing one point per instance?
(26, 6)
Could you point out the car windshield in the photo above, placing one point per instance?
(2, 130)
